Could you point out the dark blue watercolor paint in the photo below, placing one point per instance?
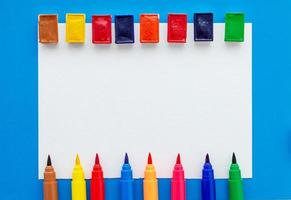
(203, 27)
(124, 29)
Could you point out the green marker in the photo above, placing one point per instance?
(234, 27)
(235, 181)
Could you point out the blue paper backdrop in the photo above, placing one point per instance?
(271, 92)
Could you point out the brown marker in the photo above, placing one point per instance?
(50, 186)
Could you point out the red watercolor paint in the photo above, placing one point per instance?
(101, 29)
(177, 28)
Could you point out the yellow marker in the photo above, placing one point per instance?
(75, 28)
(150, 182)
(78, 182)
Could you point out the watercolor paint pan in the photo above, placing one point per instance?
(203, 27)
(48, 28)
(149, 28)
(75, 28)
(177, 28)
(101, 29)
(124, 29)
(234, 27)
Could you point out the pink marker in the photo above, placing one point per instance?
(178, 185)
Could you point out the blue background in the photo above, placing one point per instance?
(271, 92)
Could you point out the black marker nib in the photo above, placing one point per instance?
(49, 162)
(233, 159)
(207, 160)
(126, 159)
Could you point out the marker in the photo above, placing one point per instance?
(78, 182)
(208, 182)
(50, 186)
(178, 185)
(126, 181)
(235, 181)
(97, 181)
(150, 182)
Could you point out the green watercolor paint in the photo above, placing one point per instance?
(234, 27)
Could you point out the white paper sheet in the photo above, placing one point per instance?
(190, 98)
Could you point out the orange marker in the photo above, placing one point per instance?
(50, 187)
(150, 182)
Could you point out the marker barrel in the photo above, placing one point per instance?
(150, 189)
(178, 184)
(150, 181)
(208, 189)
(50, 190)
(50, 186)
(79, 190)
(235, 190)
(178, 190)
(97, 181)
(126, 189)
(126, 182)
(78, 182)
(208, 183)
(235, 183)
(97, 189)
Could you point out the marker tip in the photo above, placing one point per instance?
(207, 159)
(77, 162)
(49, 162)
(233, 158)
(150, 161)
(97, 161)
(178, 160)
(126, 160)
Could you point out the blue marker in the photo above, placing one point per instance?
(208, 182)
(126, 181)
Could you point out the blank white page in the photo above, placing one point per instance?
(192, 98)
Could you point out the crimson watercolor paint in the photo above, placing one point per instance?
(101, 29)
(177, 28)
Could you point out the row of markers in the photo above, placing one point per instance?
(149, 28)
(150, 181)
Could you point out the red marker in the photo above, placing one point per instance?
(178, 185)
(97, 181)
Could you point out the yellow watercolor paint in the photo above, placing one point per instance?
(150, 182)
(75, 28)
(78, 182)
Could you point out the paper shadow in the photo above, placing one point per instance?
(102, 47)
(176, 46)
(232, 45)
(49, 45)
(149, 46)
(76, 45)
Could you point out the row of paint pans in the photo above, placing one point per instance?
(149, 28)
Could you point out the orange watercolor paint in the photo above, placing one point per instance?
(149, 28)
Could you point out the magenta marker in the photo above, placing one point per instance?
(178, 184)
